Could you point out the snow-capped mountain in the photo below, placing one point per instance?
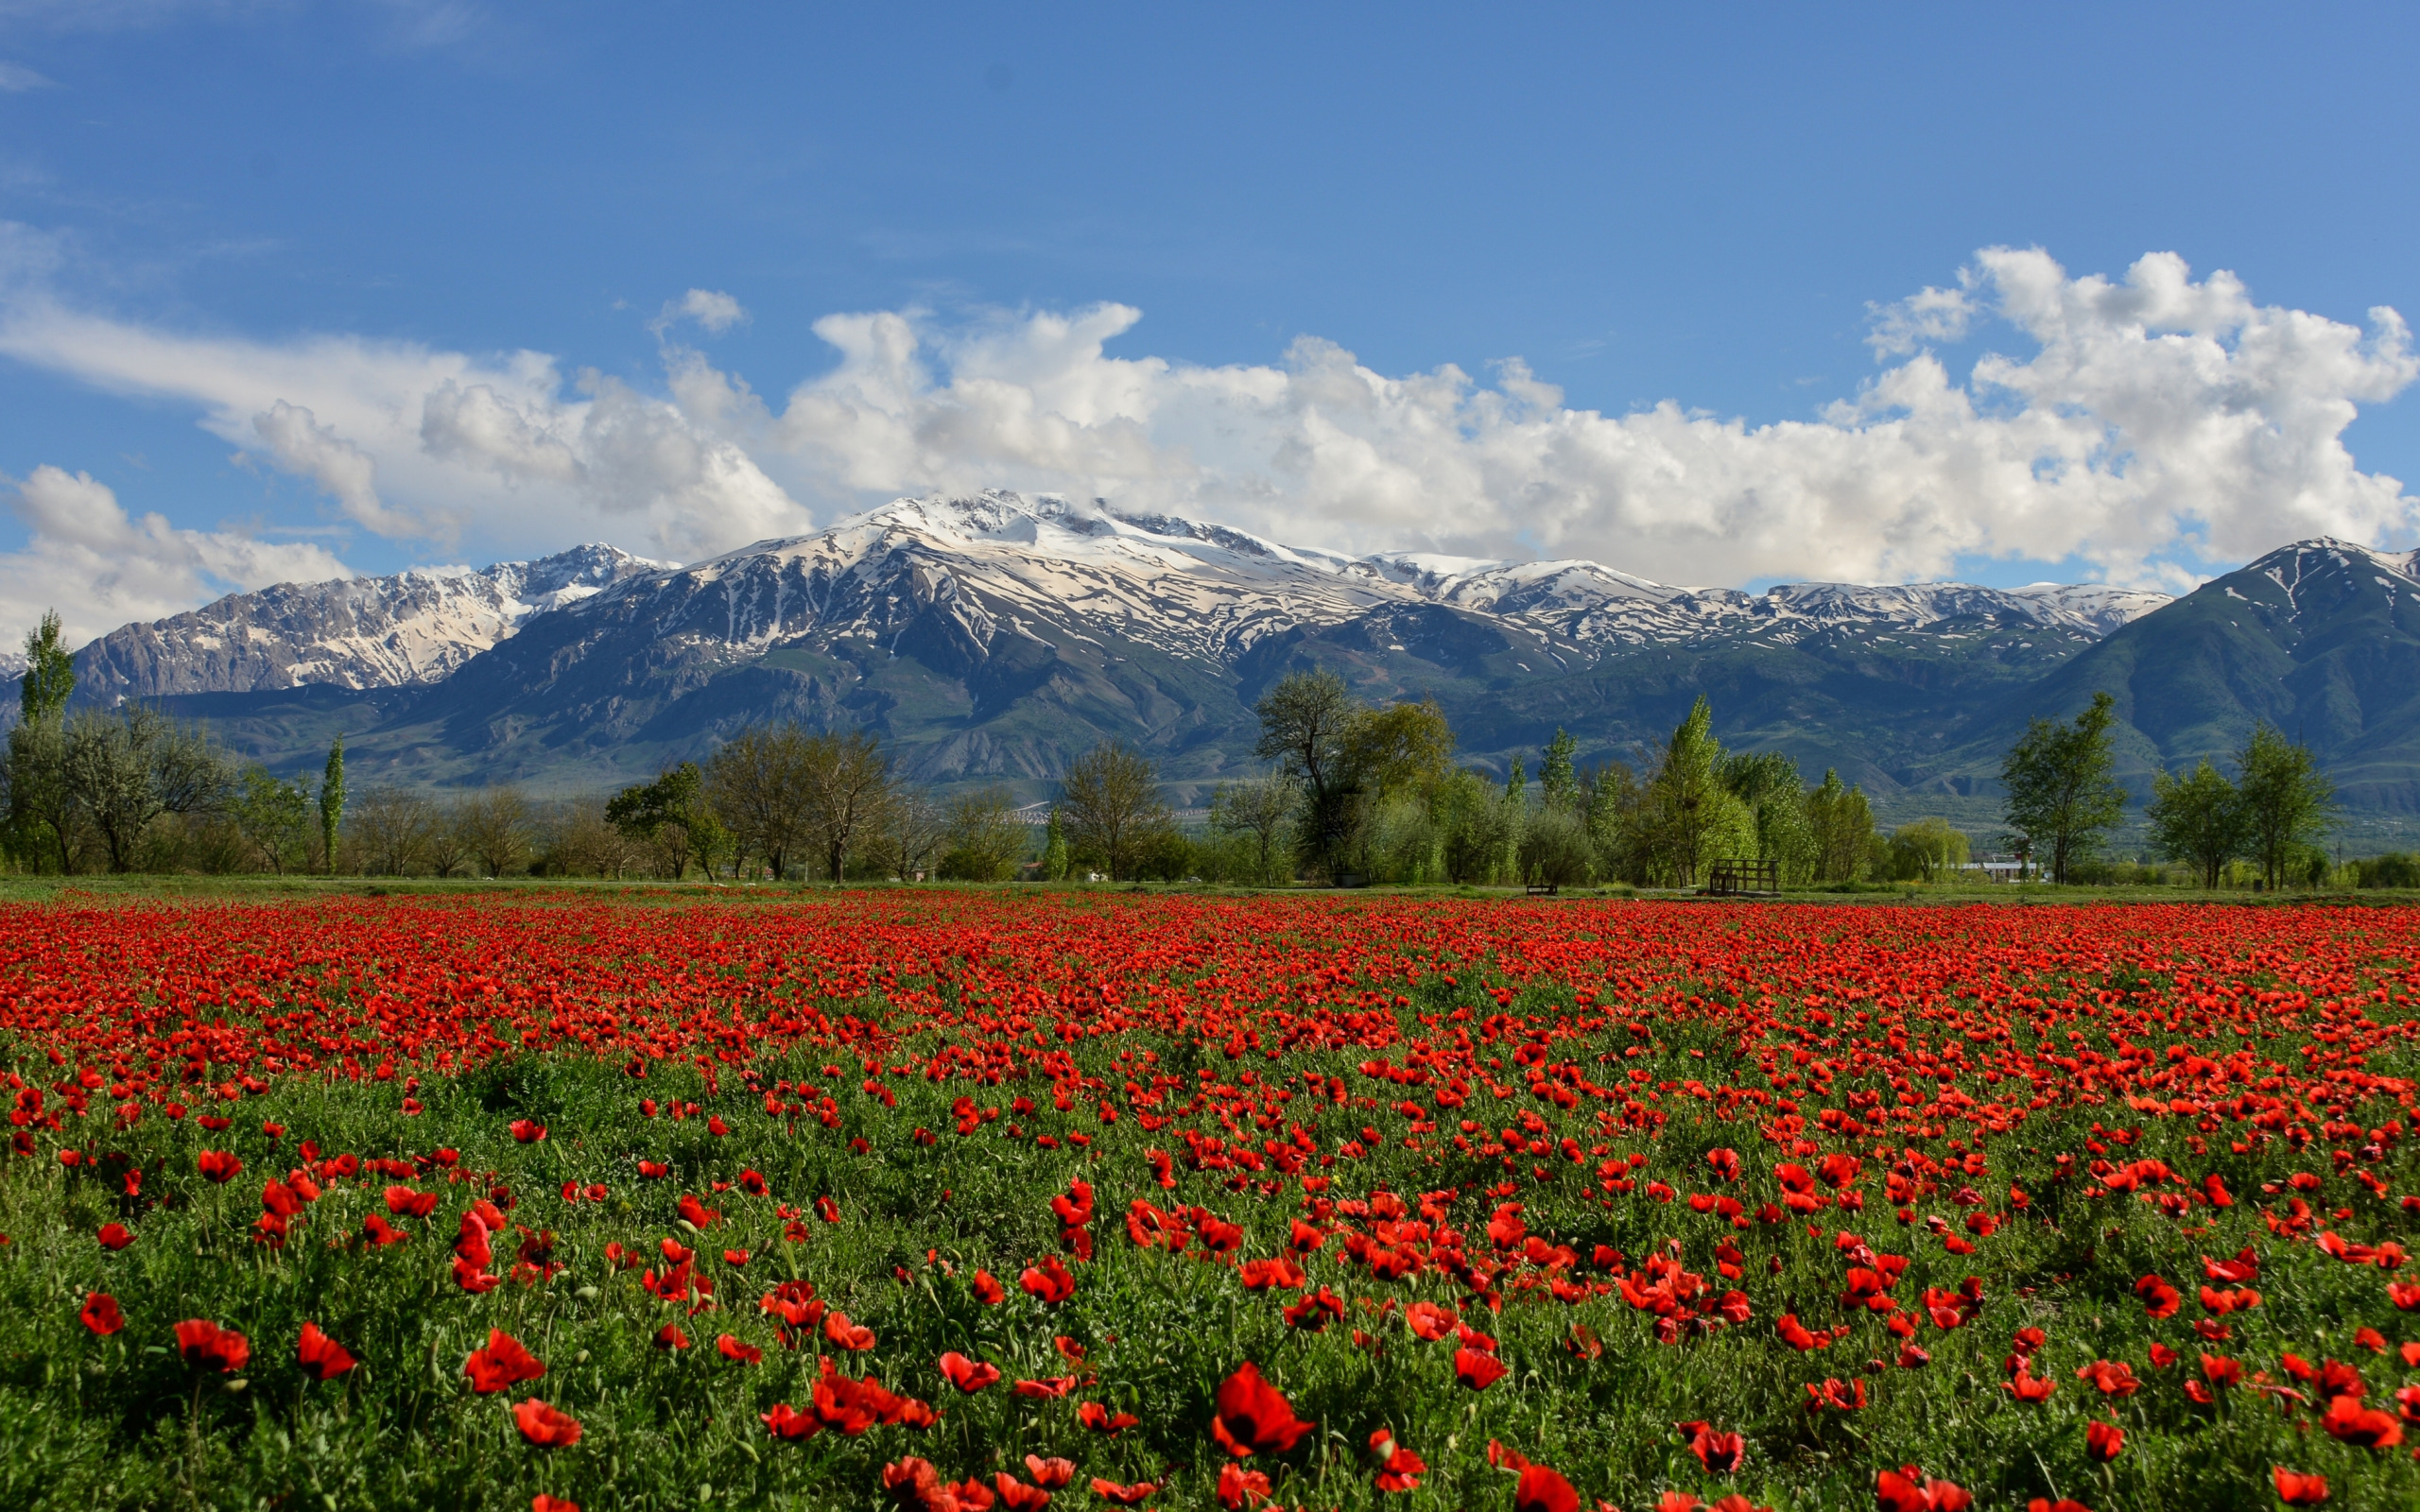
(360, 632)
(1004, 562)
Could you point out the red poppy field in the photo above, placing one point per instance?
(957, 1201)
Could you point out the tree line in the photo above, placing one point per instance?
(1350, 792)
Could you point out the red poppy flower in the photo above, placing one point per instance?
(1429, 1321)
(1678, 1502)
(1720, 1454)
(827, 1209)
(322, 1358)
(115, 1236)
(1016, 1496)
(732, 1348)
(2103, 1441)
(1122, 1495)
(2113, 1378)
(543, 1503)
(2160, 1299)
(527, 1130)
(1048, 1281)
(205, 1344)
(1477, 1370)
(100, 1314)
(787, 1423)
(1908, 1489)
(1240, 1488)
(502, 1364)
(405, 1203)
(1100, 1419)
(2027, 1386)
(1254, 1417)
(545, 1426)
(1050, 1473)
(220, 1165)
(1315, 1311)
(1399, 1469)
(670, 1337)
(848, 1336)
(2294, 1488)
(969, 1376)
(987, 1290)
(2351, 1422)
(1540, 1490)
(1048, 1390)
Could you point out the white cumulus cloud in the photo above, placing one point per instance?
(2141, 423)
(101, 567)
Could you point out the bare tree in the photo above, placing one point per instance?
(758, 785)
(389, 829)
(448, 847)
(496, 825)
(1110, 801)
(912, 831)
(849, 786)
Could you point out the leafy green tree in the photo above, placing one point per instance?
(1842, 823)
(1306, 721)
(41, 806)
(1768, 783)
(129, 767)
(1687, 817)
(2200, 819)
(1054, 849)
(2062, 802)
(273, 816)
(1477, 827)
(671, 814)
(2287, 801)
(1261, 810)
(332, 804)
(1558, 783)
(1927, 850)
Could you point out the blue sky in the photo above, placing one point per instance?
(265, 269)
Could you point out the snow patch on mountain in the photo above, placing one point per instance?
(415, 627)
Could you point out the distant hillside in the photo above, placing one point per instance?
(995, 636)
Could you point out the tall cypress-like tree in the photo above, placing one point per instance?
(332, 801)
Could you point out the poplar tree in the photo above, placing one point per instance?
(332, 801)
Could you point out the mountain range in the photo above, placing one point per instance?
(995, 636)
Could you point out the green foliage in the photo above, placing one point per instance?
(1841, 822)
(2287, 801)
(984, 841)
(1054, 851)
(332, 803)
(2199, 818)
(2061, 801)
(1927, 850)
(275, 817)
(49, 677)
(2395, 868)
